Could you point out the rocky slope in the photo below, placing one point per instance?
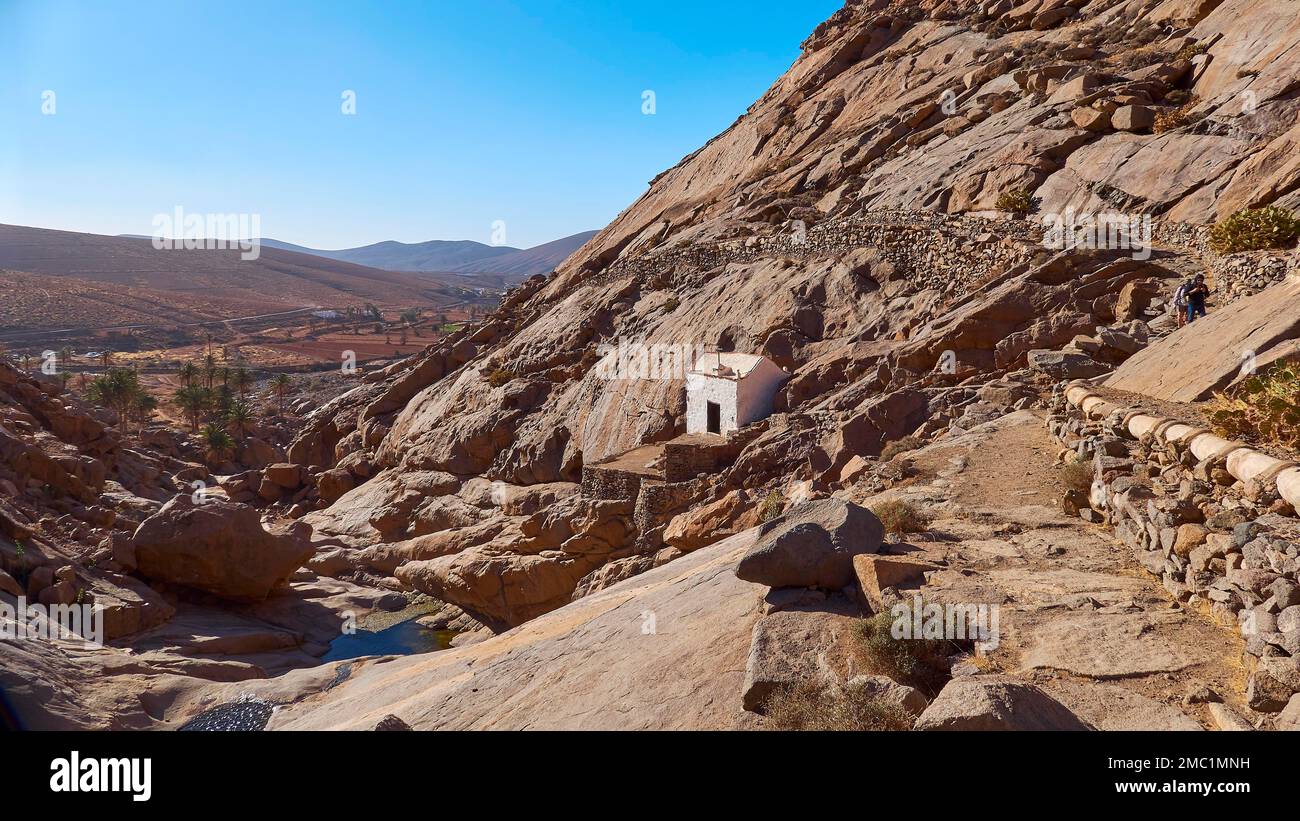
(193, 588)
(831, 228)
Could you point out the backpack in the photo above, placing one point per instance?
(1180, 296)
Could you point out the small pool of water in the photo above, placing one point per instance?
(403, 636)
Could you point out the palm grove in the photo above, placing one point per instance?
(213, 398)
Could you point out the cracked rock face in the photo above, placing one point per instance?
(838, 228)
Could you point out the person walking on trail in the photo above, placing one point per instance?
(1180, 302)
(1196, 296)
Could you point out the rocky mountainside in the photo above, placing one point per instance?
(530, 471)
(839, 228)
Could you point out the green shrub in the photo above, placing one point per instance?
(900, 517)
(1018, 201)
(499, 377)
(814, 707)
(918, 662)
(1256, 229)
(1264, 407)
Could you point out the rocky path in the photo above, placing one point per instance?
(1078, 616)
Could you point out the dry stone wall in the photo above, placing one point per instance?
(1213, 520)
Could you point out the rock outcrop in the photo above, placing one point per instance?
(218, 547)
(996, 703)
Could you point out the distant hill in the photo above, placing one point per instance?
(181, 285)
(434, 255)
(541, 259)
(453, 256)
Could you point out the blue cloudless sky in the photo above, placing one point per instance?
(527, 112)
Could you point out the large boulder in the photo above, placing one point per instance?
(996, 703)
(812, 545)
(219, 547)
(702, 526)
(1065, 365)
(1195, 361)
(1135, 298)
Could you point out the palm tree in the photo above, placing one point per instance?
(280, 386)
(188, 373)
(240, 418)
(193, 401)
(105, 357)
(142, 408)
(118, 389)
(218, 443)
(209, 368)
(243, 380)
(65, 354)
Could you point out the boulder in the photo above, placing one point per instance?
(702, 526)
(1271, 686)
(1289, 718)
(1189, 536)
(812, 545)
(996, 703)
(1119, 341)
(219, 547)
(1135, 298)
(10, 585)
(1065, 365)
(333, 483)
(1133, 118)
(283, 474)
(885, 688)
(1227, 719)
(1090, 119)
(876, 573)
(1194, 362)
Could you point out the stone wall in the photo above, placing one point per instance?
(659, 502)
(955, 253)
(611, 484)
(950, 252)
(1205, 516)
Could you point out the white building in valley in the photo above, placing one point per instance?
(726, 391)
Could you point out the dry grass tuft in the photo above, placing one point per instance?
(1077, 475)
(901, 517)
(812, 706)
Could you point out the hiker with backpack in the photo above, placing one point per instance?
(1196, 296)
(1180, 302)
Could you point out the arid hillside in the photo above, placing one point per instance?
(846, 228)
(211, 281)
